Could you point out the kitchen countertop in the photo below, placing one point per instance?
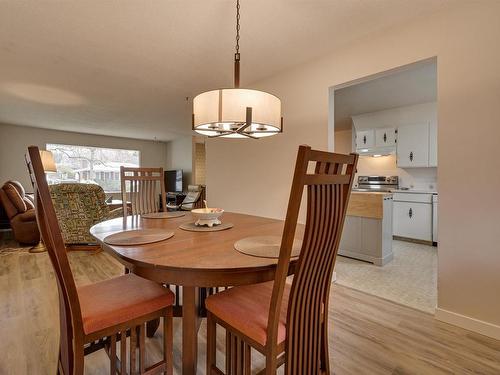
(371, 192)
(368, 204)
(415, 191)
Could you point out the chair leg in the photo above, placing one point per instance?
(271, 364)
(112, 354)
(324, 355)
(79, 362)
(133, 343)
(123, 352)
(248, 359)
(142, 349)
(168, 341)
(211, 343)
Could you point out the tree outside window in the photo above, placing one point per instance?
(91, 165)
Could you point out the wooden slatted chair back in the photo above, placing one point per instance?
(328, 191)
(141, 187)
(71, 324)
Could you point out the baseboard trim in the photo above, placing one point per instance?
(466, 322)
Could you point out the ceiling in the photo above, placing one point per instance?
(125, 68)
(414, 84)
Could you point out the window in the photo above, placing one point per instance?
(91, 165)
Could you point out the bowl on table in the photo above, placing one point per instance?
(207, 216)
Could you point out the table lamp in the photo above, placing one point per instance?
(49, 165)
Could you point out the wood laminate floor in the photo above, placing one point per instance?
(368, 335)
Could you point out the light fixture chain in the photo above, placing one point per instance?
(237, 26)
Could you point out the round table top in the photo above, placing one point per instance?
(209, 257)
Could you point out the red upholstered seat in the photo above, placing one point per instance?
(120, 300)
(246, 309)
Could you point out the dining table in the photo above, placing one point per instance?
(194, 260)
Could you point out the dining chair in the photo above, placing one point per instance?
(288, 324)
(140, 187)
(112, 309)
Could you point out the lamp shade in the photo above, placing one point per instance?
(237, 113)
(49, 165)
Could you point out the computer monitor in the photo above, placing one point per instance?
(173, 181)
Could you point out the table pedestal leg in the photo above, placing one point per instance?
(190, 325)
(151, 327)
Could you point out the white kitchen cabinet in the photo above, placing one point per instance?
(412, 216)
(385, 137)
(433, 144)
(365, 139)
(413, 146)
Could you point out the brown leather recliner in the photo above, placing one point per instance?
(21, 213)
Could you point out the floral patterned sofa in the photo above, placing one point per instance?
(78, 207)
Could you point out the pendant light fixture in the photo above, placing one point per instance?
(236, 112)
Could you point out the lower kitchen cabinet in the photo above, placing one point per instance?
(413, 219)
(367, 233)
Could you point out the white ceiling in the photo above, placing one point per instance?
(413, 84)
(125, 67)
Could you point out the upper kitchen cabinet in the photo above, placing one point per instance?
(365, 139)
(413, 146)
(410, 132)
(385, 137)
(433, 144)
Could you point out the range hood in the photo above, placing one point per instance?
(371, 138)
(376, 151)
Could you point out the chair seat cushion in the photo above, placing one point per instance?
(116, 301)
(246, 308)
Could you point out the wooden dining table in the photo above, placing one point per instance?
(194, 260)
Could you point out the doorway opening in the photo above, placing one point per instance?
(390, 119)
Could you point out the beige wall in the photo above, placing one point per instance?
(254, 176)
(14, 141)
(180, 156)
(343, 141)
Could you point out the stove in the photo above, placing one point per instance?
(377, 183)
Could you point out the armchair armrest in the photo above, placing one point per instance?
(27, 216)
(117, 212)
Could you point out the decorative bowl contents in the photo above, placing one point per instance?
(207, 216)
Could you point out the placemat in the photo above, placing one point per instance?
(137, 237)
(163, 215)
(197, 228)
(265, 246)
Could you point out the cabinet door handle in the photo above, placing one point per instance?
(385, 137)
(411, 156)
(410, 213)
(364, 139)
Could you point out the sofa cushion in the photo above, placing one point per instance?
(29, 203)
(15, 197)
(20, 188)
